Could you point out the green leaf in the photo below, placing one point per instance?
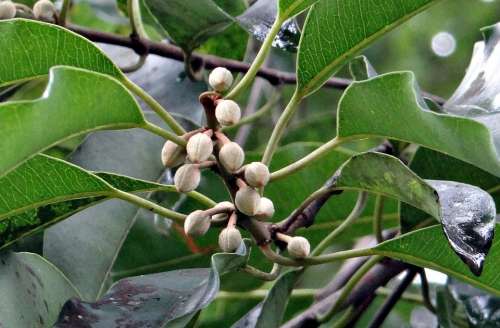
(72, 245)
(189, 23)
(157, 299)
(335, 30)
(75, 102)
(33, 290)
(270, 312)
(34, 47)
(388, 104)
(290, 8)
(467, 213)
(428, 248)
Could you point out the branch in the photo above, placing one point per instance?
(162, 49)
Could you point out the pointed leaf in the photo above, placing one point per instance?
(154, 300)
(34, 47)
(388, 104)
(429, 248)
(335, 30)
(467, 213)
(33, 290)
(65, 111)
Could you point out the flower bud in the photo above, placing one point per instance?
(7, 10)
(187, 178)
(227, 112)
(44, 10)
(196, 224)
(172, 154)
(257, 174)
(229, 239)
(265, 210)
(199, 148)
(222, 216)
(220, 79)
(298, 247)
(247, 200)
(231, 156)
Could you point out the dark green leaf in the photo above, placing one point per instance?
(34, 47)
(335, 30)
(65, 111)
(269, 313)
(33, 290)
(157, 299)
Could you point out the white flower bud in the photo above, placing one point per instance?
(187, 178)
(220, 79)
(44, 10)
(172, 154)
(231, 156)
(247, 200)
(227, 112)
(257, 174)
(265, 210)
(298, 247)
(222, 216)
(196, 224)
(229, 239)
(199, 148)
(7, 10)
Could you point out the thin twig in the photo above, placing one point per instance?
(425, 291)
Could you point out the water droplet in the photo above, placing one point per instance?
(443, 44)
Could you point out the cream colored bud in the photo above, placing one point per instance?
(172, 154)
(196, 224)
(187, 178)
(7, 10)
(199, 148)
(44, 10)
(220, 79)
(256, 174)
(265, 210)
(298, 247)
(222, 216)
(247, 200)
(229, 239)
(231, 156)
(227, 112)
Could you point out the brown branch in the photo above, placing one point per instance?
(198, 60)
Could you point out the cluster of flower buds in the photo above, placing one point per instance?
(42, 10)
(210, 147)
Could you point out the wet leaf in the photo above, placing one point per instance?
(336, 30)
(467, 213)
(259, 18)
(270, 312)
(33, 126)
(386, 105)
(154, 300)
(33, 290)
(29, 58)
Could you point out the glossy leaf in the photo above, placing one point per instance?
(386, 105)
(33, 290)
(336, 30)
(33, 126)
(269, 313)
(154, 300)
(429, 248)
(259, 18)
(34, 47)
(72, 245)
(467, 213)
(189, 23)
